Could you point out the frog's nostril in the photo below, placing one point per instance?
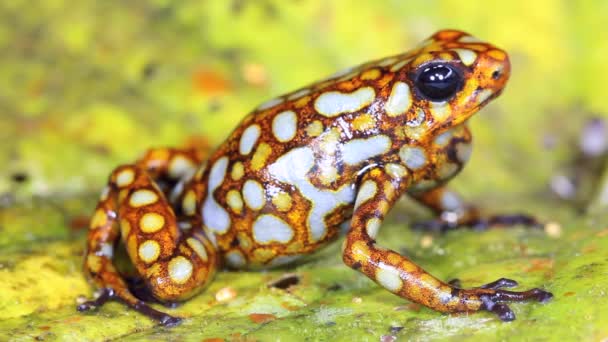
(496, 74)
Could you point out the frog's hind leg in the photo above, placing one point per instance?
(173, 263)
(453, 212)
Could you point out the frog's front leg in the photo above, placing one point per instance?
(453, 212)
(376, 195)
(174, 264)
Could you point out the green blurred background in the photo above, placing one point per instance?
(86, 85)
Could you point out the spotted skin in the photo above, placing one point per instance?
(338, 153)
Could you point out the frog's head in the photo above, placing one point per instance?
(451, 76)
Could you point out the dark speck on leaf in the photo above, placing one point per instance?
(19, 177)
(285, 282)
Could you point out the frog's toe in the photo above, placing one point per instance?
(494, 301)
(107, 294)
(500, 283)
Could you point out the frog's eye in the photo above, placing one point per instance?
(438, 82)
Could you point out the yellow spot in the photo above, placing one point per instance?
(388, 276)
(125, 227)
(244, 241)
(497, 54)
(125, 178)
(149, 251)
(314, 129)
(396, 171)
(189, 203)
(94, 263)
(371, 74)
(429, 281)
(99, 219)
(198, 248)
(132, 246)
(364, 122)
(238, 171)
(423, 58)
(261, 155)
(360, 252)
(262, 255)
(141, 198)
(151, 222)
(157, 156)
(282, 201)
(440, 111)
(366, 192)
(302, 102)
(180, 269)
(122, 195)
(234, 200)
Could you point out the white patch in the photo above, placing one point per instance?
(467, 57)
(105, 250)
(248, 139)
(180, 269)
(253, 194)
(270, 103)
(372, 227)
(215, 217)
(463, 152)
(389, 277)
(149, 251)
(399, 101)
(443, 138)
(235, 259)
(292, 168)
(450, 201)
(143, 197)
(181, 166)
(298, 94)
(177, 191)
(413, 157)
(366, 192)
(268, 228)
(284, 126)
(359, 150)
(125, 178)
(334, 103)
(342, 72)
(483, 95)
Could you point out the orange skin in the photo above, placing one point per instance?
(338, 152)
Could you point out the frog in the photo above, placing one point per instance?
(304, 168)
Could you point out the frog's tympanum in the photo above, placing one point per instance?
(331, 157)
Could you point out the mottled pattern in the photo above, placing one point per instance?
(298, 168)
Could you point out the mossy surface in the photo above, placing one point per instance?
(88, 85)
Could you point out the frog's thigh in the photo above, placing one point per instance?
(377, 194)
(173, 267)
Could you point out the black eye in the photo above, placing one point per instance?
(438, 82)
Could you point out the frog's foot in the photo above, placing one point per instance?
(450, 222)
(107, 294)
(493, 299)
